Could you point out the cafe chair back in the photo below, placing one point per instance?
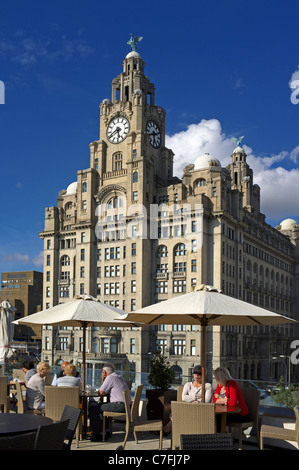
(4, 396)
(73, 415)
(24, 441)
(218, 441)
(252, 400)
(22, 403)
(116, 415)
(275, 432)
(133, 424)
(191, 418)
(179, 393)
(56, 398)
(51, 436)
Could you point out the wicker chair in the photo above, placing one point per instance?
(22, 404)
(51, 437)
(57, 398)
(73, 415)
(218, 441)
(274, 432)
(4, 396)
(180, 393)
(24, 441)
(113, 414)
(252, 400)
(191, 418)
(134, 425)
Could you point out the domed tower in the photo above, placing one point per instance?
(242, 180)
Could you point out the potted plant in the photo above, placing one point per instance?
(158, 400)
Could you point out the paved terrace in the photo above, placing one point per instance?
(149, 441)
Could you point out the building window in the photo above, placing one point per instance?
(193, 265)
(179, 347)
(81, 288)
(65, 260)
(133, 286)
(192, 347)
(83, 237)
(48, 244)
(48, 260)
(82, 271)
(162, 345)
(180, 250)
(133, 268)
(118, 161)
(133, 249)
(63, 343)
(84, 187)
(161, 287)
(162, 251)
(134, 154)
(65, 275)
(132, 345)
(47, 343)
(135, 177)
(82, 256)
(84, 205)
(96, 163)
(64, 291)
(133, 304)
(48, 276)
(179, 285)
(135, 196)
(47, 291)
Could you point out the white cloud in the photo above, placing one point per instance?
(38, 260)
(24, 259)
(279, 186)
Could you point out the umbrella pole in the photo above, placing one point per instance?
(84, 324)
(203, 360)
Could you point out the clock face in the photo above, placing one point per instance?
(155, 135)
(118, 129)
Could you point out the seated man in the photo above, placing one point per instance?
(112, 386)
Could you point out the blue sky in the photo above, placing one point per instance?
(221, 70)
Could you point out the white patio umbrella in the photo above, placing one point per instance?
(206, 306)
(6, 330)
(82, 311)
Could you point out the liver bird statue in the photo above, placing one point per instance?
(238, 140)
(134, 41)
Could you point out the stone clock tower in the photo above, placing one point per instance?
(132, 134)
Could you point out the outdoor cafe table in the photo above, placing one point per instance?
(84, 396)
(14, 423)
(224, 410)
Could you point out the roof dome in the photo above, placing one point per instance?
(239, 150)
(72, 189)
(133, 54)
(287, 224)
(206, 161)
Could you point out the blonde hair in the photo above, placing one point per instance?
(70, 369)
(43, 368)
(222, 375)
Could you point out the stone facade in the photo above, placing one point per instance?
(131, 233)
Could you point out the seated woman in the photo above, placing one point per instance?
(192, 392)
(69, 378)
(228, 392)
(35, 392)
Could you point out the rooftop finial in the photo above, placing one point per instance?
(134, 41)
(238, 140)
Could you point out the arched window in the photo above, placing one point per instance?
(162, 251)
(65, 260)
(180, 250)
(135, 177)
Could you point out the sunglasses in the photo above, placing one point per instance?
(197, 373)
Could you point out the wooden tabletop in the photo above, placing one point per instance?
(220, 409)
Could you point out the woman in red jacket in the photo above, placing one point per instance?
(228, 392)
